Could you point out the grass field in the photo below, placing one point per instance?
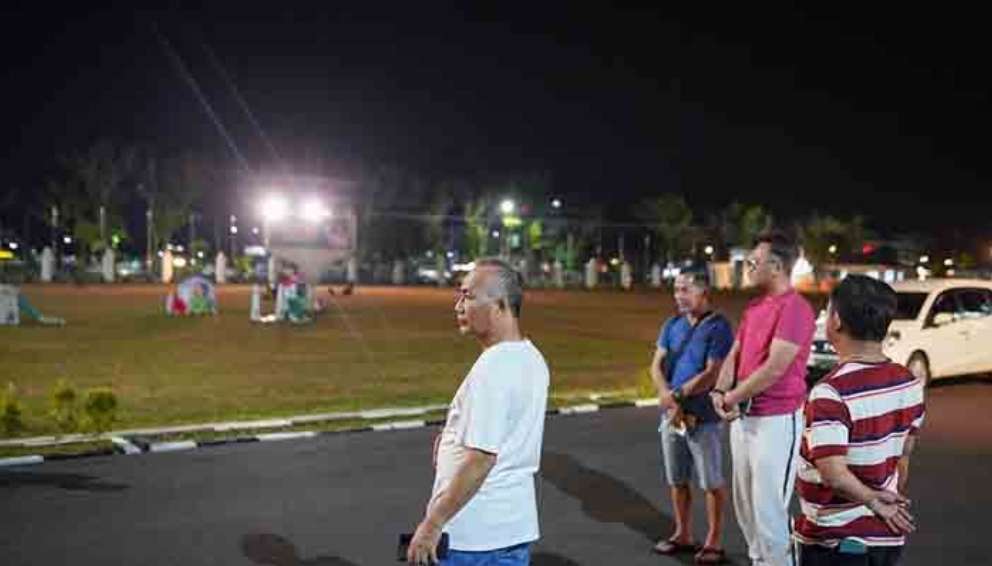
(381, 347)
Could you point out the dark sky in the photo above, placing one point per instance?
(885, 114)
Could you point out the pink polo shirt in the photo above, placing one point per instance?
(787, 317)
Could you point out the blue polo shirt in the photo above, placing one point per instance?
(688, 351)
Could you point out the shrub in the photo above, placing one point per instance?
(63, 406)
(100, 406)
(11, 421)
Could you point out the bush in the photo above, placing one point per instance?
(101, 409)
(10, 412)
(63, 406)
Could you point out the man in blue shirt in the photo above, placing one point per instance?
(690, 350)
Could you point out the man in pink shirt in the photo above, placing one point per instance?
(761, 390)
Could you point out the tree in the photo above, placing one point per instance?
(476, 228)
(170, 187)
(820, 234)
(742, 223)
(670, 219)
(99, 173)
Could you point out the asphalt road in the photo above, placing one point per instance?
(342, 500)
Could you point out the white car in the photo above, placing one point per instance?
(942, 327)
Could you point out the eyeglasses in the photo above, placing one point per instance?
(753, 264)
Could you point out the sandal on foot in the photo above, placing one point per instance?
(672, 546)
(710, 555)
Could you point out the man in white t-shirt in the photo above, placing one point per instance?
(490, 448)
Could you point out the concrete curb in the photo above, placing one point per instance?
(134, 444)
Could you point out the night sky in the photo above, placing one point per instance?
(885, 114)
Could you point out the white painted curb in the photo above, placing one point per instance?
(576, 409)
(172, 446)
(21, 461)
(399, 425)
(286, 435)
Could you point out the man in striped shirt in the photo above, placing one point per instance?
(861, 422)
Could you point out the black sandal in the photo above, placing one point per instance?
(710, 555)
(671, 546)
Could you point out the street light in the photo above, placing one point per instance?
(12, 245)
(924, 259)
(507, 206)
(948, 262)
(314, 211)
(495, 233)
(708, 250)
(234, 230)
(832, 249)
(274, 208)
(66, 240)
(556, 203)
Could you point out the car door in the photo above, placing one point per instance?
(976, 320)
(944, 336)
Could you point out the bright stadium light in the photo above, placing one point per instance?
(275, 208)
(314, 211)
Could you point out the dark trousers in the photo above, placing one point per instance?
(815, 555)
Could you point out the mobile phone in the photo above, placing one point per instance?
(404, 545)
(851, 546)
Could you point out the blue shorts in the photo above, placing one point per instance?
(518, 555)
(697, 453)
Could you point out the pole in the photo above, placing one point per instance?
(149, 243)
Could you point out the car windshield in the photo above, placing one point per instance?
(909, 305)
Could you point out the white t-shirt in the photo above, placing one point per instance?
(500, 409)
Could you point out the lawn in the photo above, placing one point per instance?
(380, 347)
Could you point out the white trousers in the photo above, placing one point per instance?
(764, 452)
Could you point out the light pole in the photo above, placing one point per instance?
(232, 230)
(274, 208)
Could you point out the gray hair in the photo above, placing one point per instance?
(503, 283)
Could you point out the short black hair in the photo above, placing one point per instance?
(700, 278)
(782, 247)
(865, 307)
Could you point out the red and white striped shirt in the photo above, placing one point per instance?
(864, 412)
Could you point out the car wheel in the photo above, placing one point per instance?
(919, 366)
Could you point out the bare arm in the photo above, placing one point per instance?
(780, 355)
(891, 507)
(464, 485)
(903, 466)
(726, 376)
(657, 370)
(723, 384)
(665, 400)
(703, 380)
